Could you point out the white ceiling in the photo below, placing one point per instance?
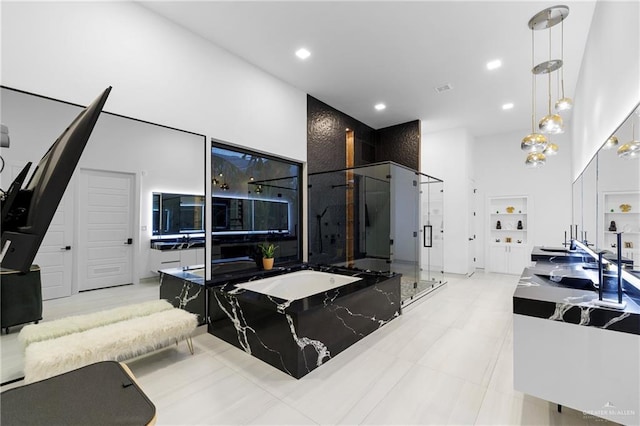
(365, 52)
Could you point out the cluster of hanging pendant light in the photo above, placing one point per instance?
(631, 149)
(538, 144)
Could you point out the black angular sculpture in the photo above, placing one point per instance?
(27, 213)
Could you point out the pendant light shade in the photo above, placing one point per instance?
(564, 104)
(551, 149)
(631, 149)
(534, 142)
(612, 142)
(551, 124)
(535, 160)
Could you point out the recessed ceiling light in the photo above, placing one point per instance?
(507, 106)
(303, 53)
(492, 65)
(380, 106)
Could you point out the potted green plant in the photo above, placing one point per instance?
(268, 252)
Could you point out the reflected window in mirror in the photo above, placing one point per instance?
(256, 198)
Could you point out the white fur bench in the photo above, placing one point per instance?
(61, 327)
(115, 341)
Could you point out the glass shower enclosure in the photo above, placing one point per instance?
(380, 217)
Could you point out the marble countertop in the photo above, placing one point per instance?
(563, 255)
(565, 292)
(177, 244)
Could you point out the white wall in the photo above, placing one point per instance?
(159, 72)
(608, 86)
(500, 171)
(447, 155)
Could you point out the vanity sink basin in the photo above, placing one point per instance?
(570, 276)
(555, 250)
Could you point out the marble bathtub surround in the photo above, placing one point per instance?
(185, 289)
(297, 336)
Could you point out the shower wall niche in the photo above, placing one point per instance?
(379, 217)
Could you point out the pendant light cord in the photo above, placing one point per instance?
(550, 63)
(562, 55)
(533, 86)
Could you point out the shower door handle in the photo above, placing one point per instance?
(427, 233)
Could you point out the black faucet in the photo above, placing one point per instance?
(600, 274)
(619, 236)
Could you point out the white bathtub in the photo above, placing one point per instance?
(297, 285)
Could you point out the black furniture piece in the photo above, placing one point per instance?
(21, 297)
(104, 393)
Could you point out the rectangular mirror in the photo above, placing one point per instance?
(177, 214)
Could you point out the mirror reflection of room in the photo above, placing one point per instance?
(618, 187)
(255, 200)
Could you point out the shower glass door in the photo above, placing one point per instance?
(432, 223)
(405, 225)
(380, 217)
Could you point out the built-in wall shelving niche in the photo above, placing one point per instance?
(509, 225)
(621, 213)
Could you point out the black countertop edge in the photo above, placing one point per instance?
(368, 279)
(539, 297)
(562, 255)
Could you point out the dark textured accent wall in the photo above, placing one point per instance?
(400, 144)
(327, 196)
(326, 132)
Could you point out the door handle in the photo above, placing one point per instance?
(65, 248)
(471, 239)
(429, 236)
(129, 241)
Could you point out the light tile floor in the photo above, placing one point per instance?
(447, 360)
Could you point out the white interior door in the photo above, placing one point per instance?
(54, 255)
(105, 243)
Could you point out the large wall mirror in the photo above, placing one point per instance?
(124, 162)
(256, 198)
(618, 189)
(606, 196)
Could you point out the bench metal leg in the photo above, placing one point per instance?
(189, 344)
